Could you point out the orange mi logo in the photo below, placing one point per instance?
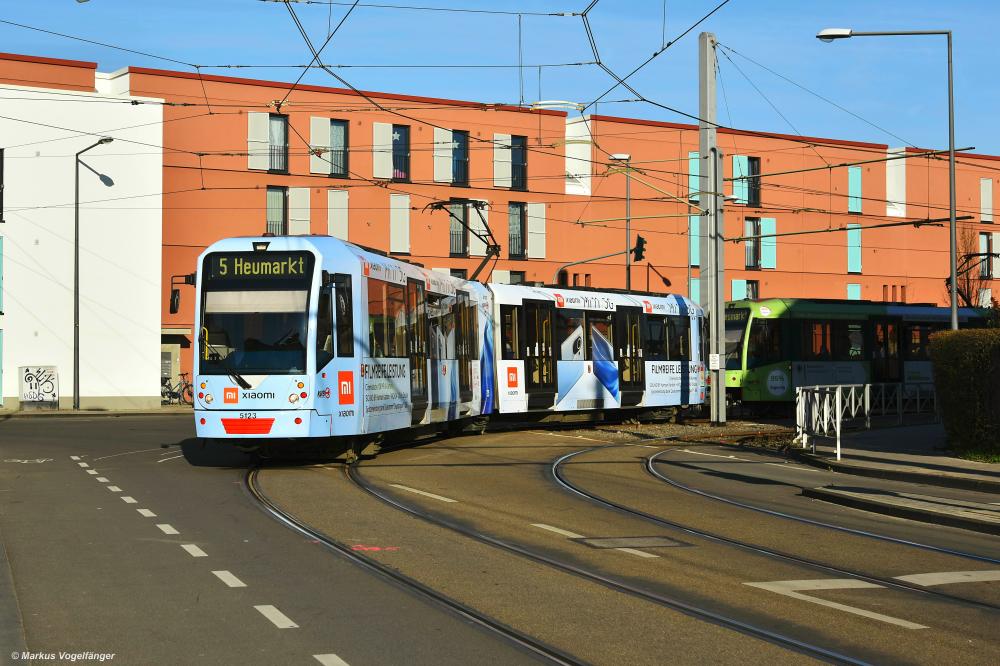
(231, 396)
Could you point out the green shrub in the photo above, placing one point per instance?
(967, 381)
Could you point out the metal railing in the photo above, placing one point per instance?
(822, 411)
(400, 164)
(278, 158)
(458, 245)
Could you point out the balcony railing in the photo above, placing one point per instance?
(400, 165)
(458, 242)
(515, 244)
(518, 176)
(279, 158)
(460, 172)
(338, 162)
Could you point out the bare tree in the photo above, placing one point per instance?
(974, 271)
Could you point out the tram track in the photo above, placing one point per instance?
(561, 479)
(788, 642)
(528, 643)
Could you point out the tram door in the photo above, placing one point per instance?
(466, 341)
(416, 336)
(886, 365)
(538, 352)
(628, 344)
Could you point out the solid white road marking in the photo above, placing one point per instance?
(229, 579)
(801, 469)
(193, 550)
(146, 513)
(102, 479)
(556, 434)
(91, 471)
(711, 455)
(421, 492)
(280, 620)
(330, 660)
(74, 457)
(949, 577)
(114, 489)
(790, 588)
(565, 533)
(166, 528)
(128, 500)
(633, 551)
(170, 458)
(127, 453)
(83, 464)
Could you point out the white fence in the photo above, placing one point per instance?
(822, 411)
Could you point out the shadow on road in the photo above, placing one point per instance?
(201, 452)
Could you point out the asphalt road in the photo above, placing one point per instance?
(123, 536)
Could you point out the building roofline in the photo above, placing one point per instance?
(83, 64)
(974, 156)
(341, 91)
(740, 132)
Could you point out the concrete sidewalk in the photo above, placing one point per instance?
(165, 410)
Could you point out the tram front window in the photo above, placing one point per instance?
(254, 332)
(736, 324)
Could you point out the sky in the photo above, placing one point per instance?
(895, 87)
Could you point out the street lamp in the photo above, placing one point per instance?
(830, 34)
(76, 272)
(625, 158)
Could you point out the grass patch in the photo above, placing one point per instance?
(980, 455)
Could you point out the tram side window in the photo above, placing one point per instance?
(386, 319)
(817, 341)
(917, 341)
(467, 327)
(601, 344)
(849, 340)
(324, 328)
(345, 314)
(736, 323)
(764, 345)
(678, 338)
(571, 335)
(441, 322)
(510, 341)
(655, 341)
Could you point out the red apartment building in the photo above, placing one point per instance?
(244, 156)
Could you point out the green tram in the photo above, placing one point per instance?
(777, 344)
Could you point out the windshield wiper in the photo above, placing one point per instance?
(235, 376)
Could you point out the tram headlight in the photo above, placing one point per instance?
(208, 398)
(293, 398)
(301, 385)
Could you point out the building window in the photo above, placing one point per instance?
(753, 183)
(854, 190)
(516, 231)
(752, 234)
(576, 279)
(338, 148)
(459, 273)
(518, 162)
(586, 280)
(459, 157)
(746, 180)
(985, 250)
(401, 152)
(277, 135)
(458, 230)
(563, 279)
(517, 277)
(277, 211)
(753, 289)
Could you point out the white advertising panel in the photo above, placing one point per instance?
(667, 383)
(385, 393)
(511, 387)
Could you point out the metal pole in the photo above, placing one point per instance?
(952, 257)
(76, 283)
(628, 227)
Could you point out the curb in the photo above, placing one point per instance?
(65, 414)
(11, 624)
(947, 481)
(910, 513)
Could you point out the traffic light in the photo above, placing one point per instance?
(639, 251)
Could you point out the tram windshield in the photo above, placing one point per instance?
(736, 324)
(255, 313)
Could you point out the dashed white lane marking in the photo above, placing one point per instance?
(83, 464)
(91, 471)
(556, 434)
(421, 492)
(170, 458)
(229, 579)
(565, 533)
(127, 453)
(193, 550)
(279, 619)
(129, 500)
(74, 457)
(633, 551)
(146, 513)
(949, 577)
(330, 660)
(795, 467)
(166, 528)
(710, 455)
(114, 489)
(102, 479)
(790, 588)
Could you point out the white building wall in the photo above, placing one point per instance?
(120, 243)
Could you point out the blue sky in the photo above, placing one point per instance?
(896, 83)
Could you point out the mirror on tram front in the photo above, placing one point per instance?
(175, 301)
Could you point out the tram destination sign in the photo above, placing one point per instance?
(258, 266)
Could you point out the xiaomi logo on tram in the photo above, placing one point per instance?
(345, 387)
(512, 377)
(560, 301)
(231, 396)
(647, 306)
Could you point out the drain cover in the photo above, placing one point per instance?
(632, 542)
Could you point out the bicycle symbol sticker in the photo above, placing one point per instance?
(39, 383)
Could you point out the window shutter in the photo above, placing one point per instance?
(298, 211)
(741, 169)
(739, 290)
(853, 248)
(399, 222)
(500, 277)
(996, 260)
(1, 299)
(694, 176)
(985, 297)
(319, 141)
(258, 141)
(768, 243)
(895, 183)
(536, 230)
(501, 160)
(382, 150)
(986, 199)
(477, 247)
(336, 213)
(446, 271)
(443, 149)
(854, 189)
(694, 239)
(695, 294)
(853, 292)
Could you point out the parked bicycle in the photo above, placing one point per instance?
(182, 391)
